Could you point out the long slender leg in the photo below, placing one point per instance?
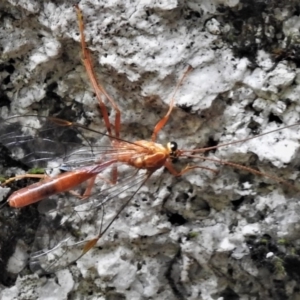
(188, 168)
(98, 88)
(18, 177)
(165, 119)
(91, 183)
(91, 243)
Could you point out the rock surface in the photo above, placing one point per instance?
(231, 235)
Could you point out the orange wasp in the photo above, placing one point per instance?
(90, 162)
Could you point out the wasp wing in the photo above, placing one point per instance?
(38, 141)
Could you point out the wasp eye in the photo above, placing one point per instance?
(173, 146)
(173, 150)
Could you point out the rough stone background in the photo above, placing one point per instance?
(203, 236)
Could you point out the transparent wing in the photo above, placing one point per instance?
(37, 140)
(68, 227)
(62, 236)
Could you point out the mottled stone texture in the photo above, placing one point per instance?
(230, 235)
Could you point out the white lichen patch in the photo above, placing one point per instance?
(19, 259)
